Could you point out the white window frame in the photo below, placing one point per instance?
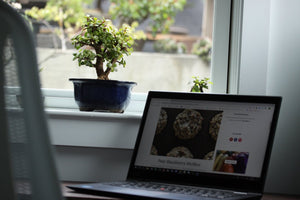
(221, 40)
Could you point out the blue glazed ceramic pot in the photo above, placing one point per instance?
(102, 95)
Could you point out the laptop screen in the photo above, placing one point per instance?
(205, 134)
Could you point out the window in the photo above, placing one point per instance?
(153, 67)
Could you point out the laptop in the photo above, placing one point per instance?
(198, 146)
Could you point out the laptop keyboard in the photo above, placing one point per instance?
(189, 190)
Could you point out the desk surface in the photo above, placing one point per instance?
(70, 195)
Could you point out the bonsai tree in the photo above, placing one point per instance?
(102, 46)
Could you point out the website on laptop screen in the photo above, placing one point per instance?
(184, 136)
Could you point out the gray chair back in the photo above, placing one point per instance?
(27, 169)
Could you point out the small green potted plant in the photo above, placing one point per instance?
(102, 46)
(200, 84)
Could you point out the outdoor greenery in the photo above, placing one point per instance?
(200, 84)
(160, 12)
(169, 46)
(68, 14)
(106, 45)
(202, 48)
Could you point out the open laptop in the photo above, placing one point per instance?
(198, 146)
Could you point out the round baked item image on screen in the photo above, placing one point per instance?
(153, 150)
(179, 152)
(214, 125)
(162, 121)
(209, 155)
(187, 124)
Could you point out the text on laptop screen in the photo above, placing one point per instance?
(188, 136)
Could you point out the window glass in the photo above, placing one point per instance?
(166, 59)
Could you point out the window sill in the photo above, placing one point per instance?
(101, 130)
(76, 114)
(71, 127)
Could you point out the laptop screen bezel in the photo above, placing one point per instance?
(207, 179)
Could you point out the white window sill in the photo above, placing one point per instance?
(71, 127)
(102, 130)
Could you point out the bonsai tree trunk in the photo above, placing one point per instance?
(99, 70)
(101, 74)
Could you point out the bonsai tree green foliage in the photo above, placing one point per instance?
(161, 12)
(200, 84)
(69, 15)
(106, 44)
(169, 46)
(202, 48)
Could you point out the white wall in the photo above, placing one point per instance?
(254, 48)
(283, 79)
(270, 64)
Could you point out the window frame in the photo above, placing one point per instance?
(221, 45)
(63, 112)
